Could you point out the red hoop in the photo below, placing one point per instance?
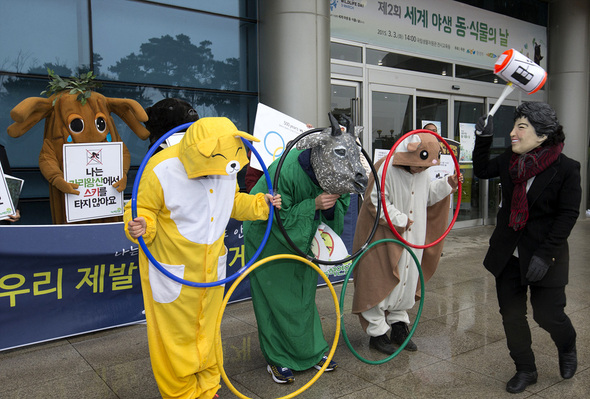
(457, 169)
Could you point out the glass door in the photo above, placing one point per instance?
(466, 112)
(344, 100)
(392, 115)
(432, 112)
(503, 124)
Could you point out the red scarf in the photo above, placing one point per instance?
(522, 168)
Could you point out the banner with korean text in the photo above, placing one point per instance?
(444, 29)
(63, 280)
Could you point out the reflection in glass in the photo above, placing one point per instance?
(345, 52)
(479, 74)
(236, 8)
(392, 117)
(408, 62)
(171, 46)
(54, 35)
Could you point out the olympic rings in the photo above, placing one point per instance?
(218, 349)
(343, 292)
(457, 169)
(279, 147)
(290, 145)
(142, 242)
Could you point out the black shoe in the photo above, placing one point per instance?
(382, 344)
(568, 363)
(521, 380)
(399, 333)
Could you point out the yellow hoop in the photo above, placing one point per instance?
(274, 155)
(219, 350)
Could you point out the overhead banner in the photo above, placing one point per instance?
(441, 29)
(62, 280)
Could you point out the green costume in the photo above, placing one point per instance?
(283, 291)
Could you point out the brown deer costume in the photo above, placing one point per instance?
(67, 120)
(386, 279)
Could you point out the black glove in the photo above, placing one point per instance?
(537, 269)
(483, 129)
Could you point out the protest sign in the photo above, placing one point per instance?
(275, 130)
(10, 188)
(94, 167)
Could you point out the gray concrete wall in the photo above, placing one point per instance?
(294, 58)
(568, 79)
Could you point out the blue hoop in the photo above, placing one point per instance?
(144, 247)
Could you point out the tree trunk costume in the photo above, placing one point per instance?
(70, 121)
(283, 291)
(386, 279)
(187, 195)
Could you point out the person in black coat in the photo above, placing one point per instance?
(528, 250)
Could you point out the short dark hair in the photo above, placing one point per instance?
(167, 114)
(544, 121)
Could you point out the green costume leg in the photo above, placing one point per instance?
(289, 326)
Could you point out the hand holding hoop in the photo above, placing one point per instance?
(141, 241)
(290, 145)
(385, 167)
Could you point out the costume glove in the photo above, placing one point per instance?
(483, 129)
(537, 269)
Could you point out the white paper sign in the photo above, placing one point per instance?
(327, 245)
(7, 208)
(446, 166)
(379, 153)
(467, 137)
(275, 130)
(95, 167)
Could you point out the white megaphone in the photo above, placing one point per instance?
(518, 71)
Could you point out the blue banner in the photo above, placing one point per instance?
(64, 280)
(57, 281)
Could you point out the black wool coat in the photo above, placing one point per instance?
(554, 206)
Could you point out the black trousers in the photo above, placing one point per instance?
(548, 305)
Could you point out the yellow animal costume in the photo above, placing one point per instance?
(187, 194)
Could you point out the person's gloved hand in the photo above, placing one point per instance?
(483, 129)
(537, 269)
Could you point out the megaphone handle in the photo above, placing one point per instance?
(507, 90)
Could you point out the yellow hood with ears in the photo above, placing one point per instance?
(213, 146)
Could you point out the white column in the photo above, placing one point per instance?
(294, 58)
(568, 79)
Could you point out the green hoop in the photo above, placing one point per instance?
(343, 292)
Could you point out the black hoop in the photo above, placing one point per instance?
(290, 145)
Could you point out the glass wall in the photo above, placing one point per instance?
(202, 52)
(392, 116)
(408, 62)
(466, 114)
(172, 47)
(432, 110)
